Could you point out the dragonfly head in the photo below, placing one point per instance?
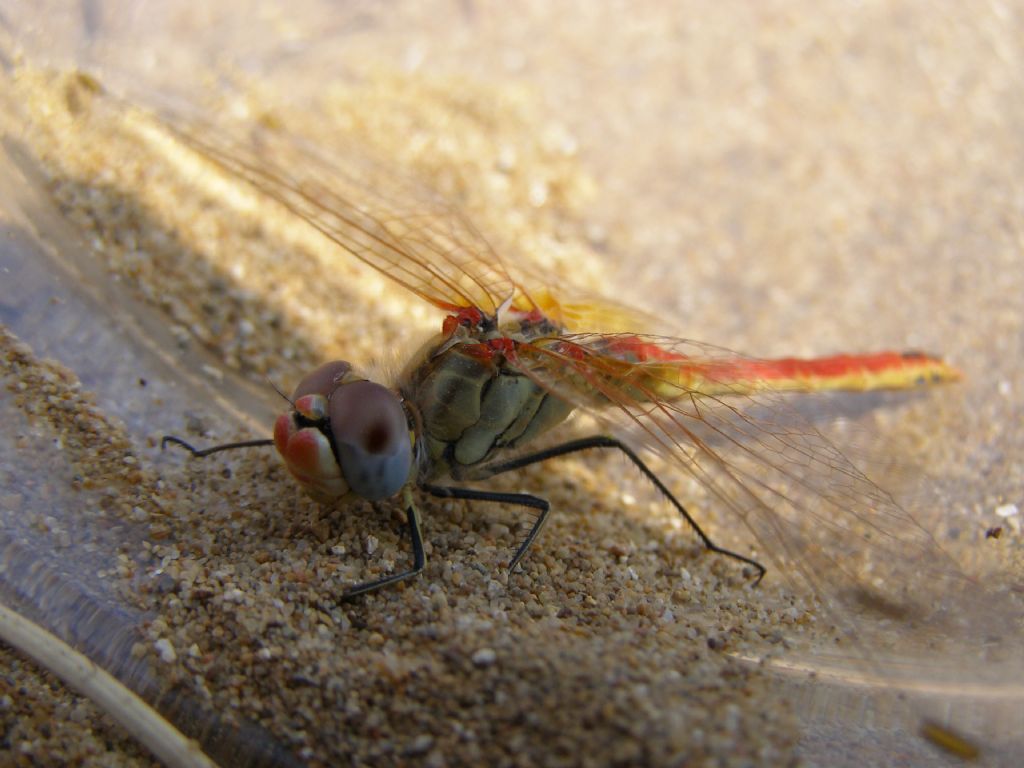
(345, 436)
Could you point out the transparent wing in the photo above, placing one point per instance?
(363, 206)
(393, 224)
(388, 222)
(719, 419)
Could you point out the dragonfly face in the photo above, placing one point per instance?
(345, 436)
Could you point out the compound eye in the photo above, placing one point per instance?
(324, 380)
(371, 435)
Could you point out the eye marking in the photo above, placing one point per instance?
(377, 438)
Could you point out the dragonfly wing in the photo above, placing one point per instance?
(814, 513)
(387, 220)
(575, 309)
(368, 209)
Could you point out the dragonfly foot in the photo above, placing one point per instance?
(419, 560)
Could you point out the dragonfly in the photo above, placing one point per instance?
(515, 357)
(518, 352)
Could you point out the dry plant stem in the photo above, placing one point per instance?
(144, 724)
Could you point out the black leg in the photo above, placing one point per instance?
(419, 560)
(600, 441)
(523, 499)
(199, 453)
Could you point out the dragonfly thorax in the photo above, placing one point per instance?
(345, 436)
(470, 405)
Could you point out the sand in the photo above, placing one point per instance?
(795, 180)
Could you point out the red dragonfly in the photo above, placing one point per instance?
(513, 360)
